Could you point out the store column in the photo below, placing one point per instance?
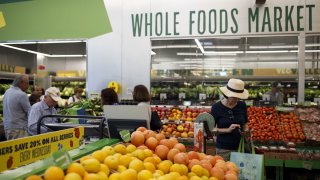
(301, 66)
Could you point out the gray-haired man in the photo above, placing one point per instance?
(16, 106)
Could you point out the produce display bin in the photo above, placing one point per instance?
(40, 166)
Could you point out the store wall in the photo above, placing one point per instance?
(65, 64)
(18, 58)
(124, 54)
(118, 56)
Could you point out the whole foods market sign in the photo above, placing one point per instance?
(233, 17)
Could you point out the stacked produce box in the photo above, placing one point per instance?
(286, 134)
(310, 117)
(178, 121)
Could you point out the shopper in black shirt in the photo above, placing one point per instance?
(230, 116)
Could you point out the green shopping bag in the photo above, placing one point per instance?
(251, 166)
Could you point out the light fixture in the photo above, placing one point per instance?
(24, 50)
(188, 54)
(67, 55)
(40, 53)
(275, 47)
(199, 45)
(43, 42)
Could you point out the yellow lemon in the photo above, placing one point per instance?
(91, 165)
(176, 168)
(99, 155)
(159, 172)
(147, 153)
(54, 173)
(157, 159)
(190, 174)
(112, 162)
(104, 168)
(157, 175)
(131, 148)
(129, 174)
(139, 153)
(174, 175)
(76, 168)
(164, 166)
(85, 158)
(195, 178)
(109, 150)
(149, 166)
(117, 155)
(185, 169)
(102, 175)
(204, 178)
(120, 148)
(91, 176)
(136, 165)
(72, 176)
(182, 178)
(144, 175)
(121, 168)
(125, 160)
(205, 172)
(197, 169)
(115, 176)
(150, 160)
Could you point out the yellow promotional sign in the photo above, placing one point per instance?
(114, 85)
(18, 152)
(2, 21)
(80, 73)
(13, 69)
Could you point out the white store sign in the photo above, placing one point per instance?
(124, 54)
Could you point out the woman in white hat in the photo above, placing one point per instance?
(230, 116)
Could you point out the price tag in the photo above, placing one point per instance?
(307, 165)
(202, 96)
(125, 135)
(182, 95)
(163, 96)
(316, 100)
(62, 158)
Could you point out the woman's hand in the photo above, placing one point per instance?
(232, 127)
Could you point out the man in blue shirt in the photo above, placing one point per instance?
(15, 108)
(42, 108)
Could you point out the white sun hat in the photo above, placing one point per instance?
(54, 93)
(235, 88)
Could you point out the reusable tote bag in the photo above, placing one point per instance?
(250, 166)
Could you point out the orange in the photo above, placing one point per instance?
(54, 173)
(34, 177)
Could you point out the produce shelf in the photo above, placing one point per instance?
(39, 167)
(273, 162)
(302, 164)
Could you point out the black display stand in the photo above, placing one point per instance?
(90, 129)
(207, 135)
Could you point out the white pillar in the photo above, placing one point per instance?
(301, 66)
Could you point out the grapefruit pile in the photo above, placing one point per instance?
(149, 156)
